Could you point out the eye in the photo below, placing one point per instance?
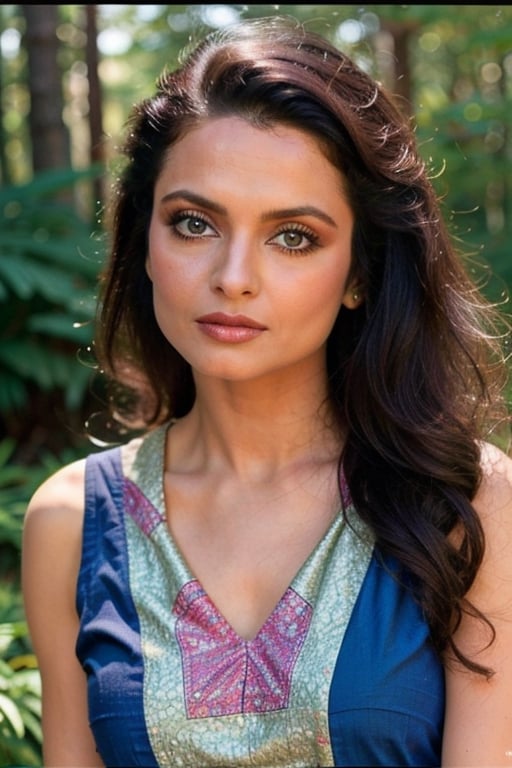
(295, 237)
(191, 225)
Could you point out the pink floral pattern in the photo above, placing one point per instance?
(225, 674)
(140, 509)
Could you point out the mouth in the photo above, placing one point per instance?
(230, 329)
(231, 321)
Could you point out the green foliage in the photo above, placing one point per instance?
(460, 69)
(48, 270)
(20, 699)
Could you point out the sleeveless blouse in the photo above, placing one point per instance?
(341, 673)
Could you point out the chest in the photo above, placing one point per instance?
(245, 549)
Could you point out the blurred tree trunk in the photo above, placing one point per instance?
(4, 166)
(97, 153)
(49, 135)
(394, 43)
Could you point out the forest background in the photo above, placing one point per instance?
(69, 75)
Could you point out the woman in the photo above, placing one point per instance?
(306, 558)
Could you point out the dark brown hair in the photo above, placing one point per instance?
(409, 370)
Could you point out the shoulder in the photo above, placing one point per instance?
(52, 545)
(59, 497)
(491, 591)
(477, 725)
(51, 554)
(493, 504)
(493, 501)
(53, 523)
(496, 467)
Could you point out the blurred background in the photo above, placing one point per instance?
(69, 75)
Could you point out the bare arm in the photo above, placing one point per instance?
(51, 557)
(478, 723)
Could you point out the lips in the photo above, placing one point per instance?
(233, 321)
(231, 329)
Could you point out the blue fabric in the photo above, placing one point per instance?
(386, 704)
(108, 644)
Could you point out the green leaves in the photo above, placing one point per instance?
(20, 702)
(49, 263)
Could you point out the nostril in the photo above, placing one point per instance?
(235, 276)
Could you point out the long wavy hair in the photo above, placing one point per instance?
(410, 371)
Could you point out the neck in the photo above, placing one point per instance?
(257, 428)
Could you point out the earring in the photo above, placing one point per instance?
(355, 296)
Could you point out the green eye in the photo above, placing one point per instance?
(194, 225)
(191, 225)
(295, 238)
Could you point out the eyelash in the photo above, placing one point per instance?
(311, 237)
(313, 240)
(180, 216)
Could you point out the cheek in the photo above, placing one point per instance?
(314, 308)
(327, 292)
(175, 288)
(160, 267)
(159, 264)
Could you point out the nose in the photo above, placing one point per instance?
(236, 271)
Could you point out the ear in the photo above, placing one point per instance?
(353, 296)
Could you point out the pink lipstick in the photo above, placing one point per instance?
(232, 329)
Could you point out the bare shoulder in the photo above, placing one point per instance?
(59, 501)
(491, 591)
(62, 486)
(496, 468)
(493, 501)
(478, 723)
(52, 537)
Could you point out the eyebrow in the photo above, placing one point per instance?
(301, 210)
(195, 199)
(282, 213)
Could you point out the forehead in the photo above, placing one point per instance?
(281, 154)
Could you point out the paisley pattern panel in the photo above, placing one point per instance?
(226, 675)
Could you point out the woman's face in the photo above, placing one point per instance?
(249, 250)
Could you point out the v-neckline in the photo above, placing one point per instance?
(152, 484)
(329, 535)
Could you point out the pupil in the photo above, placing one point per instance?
(292, 239)
(196, 226)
